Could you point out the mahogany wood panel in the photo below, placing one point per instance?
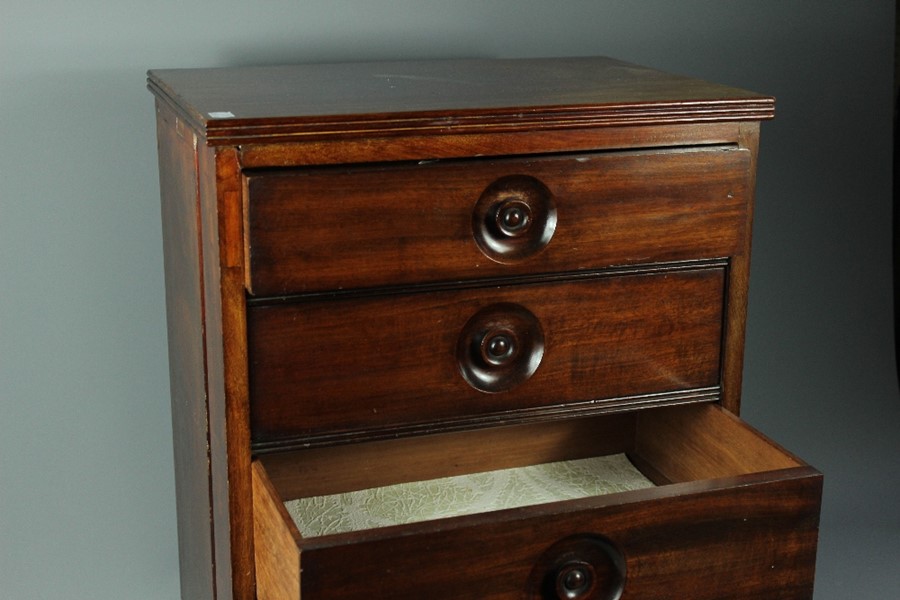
(688, 443)
(333, 470)
(341, 199)
(422, 147)
(368, 363)
(738, 284)
(348, 227)
(220, 201)
(748, 532)
(737, 538)
(741, 539)
(215, 367)
(205, 309)
(187, 368)
(239, 105)
(276, 553)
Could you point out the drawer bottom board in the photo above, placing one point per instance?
(419, 501)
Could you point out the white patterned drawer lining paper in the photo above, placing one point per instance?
(465, 494)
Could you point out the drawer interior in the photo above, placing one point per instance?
(695, 460)
(662, 446)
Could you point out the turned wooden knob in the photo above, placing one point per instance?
(514, 218)
(500, 347)
(580, 567)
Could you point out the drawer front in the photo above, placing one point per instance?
(335, 228)
(466, 357)
(753, 541)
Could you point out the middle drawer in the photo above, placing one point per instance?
(384, 365)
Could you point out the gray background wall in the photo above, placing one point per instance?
(86, 487)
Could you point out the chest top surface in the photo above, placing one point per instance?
(358, 99)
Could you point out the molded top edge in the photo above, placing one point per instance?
(231, 105)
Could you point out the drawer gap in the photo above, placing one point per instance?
(530, 279)
(424, 161)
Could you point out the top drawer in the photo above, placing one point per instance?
(351, 227)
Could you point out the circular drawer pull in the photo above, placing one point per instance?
(500, 347)
(514, 218)
(581, 567)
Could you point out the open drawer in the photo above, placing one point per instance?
(730, 515)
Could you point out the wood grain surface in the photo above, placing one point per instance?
(237, 105)
(360, 364)
(743, 538)
(340, 316)
(276, 538)
(742, 523)
(346, 227)
(187, 360)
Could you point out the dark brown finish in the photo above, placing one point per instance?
(729, 540)
(365, 364)
(215, 369)
(689, 442)
(705, 538)
(338, 469)
(698, 442)
(276, 537)
(487, 143)
(329, 232)
(205, 302)
(500, 347)
(388, 225)
(514, 218)
(187, 343)
(232, 106)
(580, 567)
(736, 320)
(221, 187)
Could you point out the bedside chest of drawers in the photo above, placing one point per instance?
(394, 289)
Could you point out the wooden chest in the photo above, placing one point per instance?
(384, 278)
